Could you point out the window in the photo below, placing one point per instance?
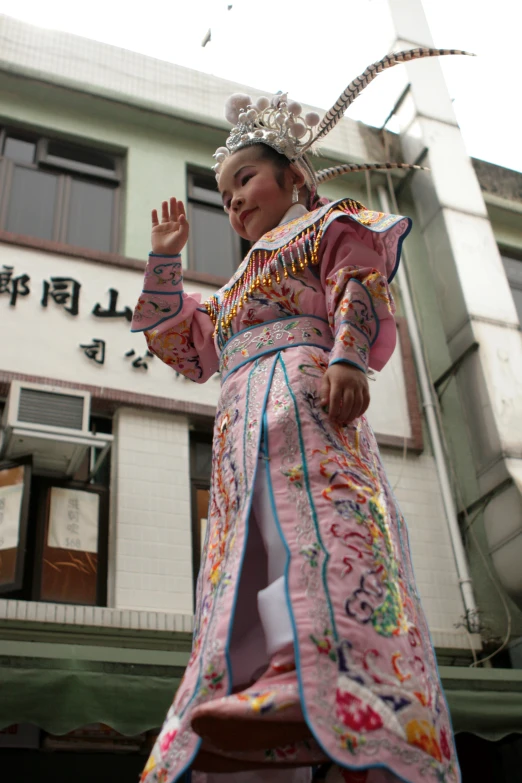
(200, 470)
(50, 189)
(214, 248)
(54, 531)
(513, 268)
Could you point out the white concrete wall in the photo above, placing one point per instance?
(62, 58)
(48, 339)
(151, 539)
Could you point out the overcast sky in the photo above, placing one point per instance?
(315, 48)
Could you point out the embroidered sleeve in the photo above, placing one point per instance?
(177, 328)
(359, 302)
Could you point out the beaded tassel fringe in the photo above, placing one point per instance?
(264, 267)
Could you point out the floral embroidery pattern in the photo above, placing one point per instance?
(167, 274)
(325, 644)
(175, 348)
(295, 474)
(423, 735)
(263, 702)
(151, 309)
(368, 672)
(358, 300)
(278, 334)
(355, 714)
(213, 681)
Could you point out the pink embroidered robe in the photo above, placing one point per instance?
(368, 676)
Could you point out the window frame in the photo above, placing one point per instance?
(45, 485)
(18, 582)
(65, 173)
(34, 515)
(241, 245)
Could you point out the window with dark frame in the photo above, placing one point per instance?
(52, 189)
(200, 470)
(34, 564)
(513, 269)
(214, 248)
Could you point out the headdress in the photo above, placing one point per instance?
(279, 123)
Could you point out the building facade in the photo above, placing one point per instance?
(105, 452)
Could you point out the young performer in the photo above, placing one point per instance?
(310, 646)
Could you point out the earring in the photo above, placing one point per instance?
(295, 194)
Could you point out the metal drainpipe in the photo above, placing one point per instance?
(428, 405)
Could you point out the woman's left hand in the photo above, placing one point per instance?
(345, 392)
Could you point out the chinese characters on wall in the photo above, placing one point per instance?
(65, 293)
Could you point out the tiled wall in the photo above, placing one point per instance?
(416, 487)
(151, 552)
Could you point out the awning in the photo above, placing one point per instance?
(60, 695)
(485, 702)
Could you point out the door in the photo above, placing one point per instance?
(15, 485)
(72, 541)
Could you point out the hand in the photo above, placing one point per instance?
(345, 392)
(170, 236)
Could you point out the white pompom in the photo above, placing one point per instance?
(312, 119)
(298, 130)
(295, 108)
(236, 103)
(262, 103)
(278, 99)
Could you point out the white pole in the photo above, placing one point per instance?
(428, 405)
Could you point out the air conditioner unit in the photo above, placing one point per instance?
(52, 424)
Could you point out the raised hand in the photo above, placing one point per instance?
(169, 236)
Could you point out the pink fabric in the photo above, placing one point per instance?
(177, 328)
(359, 303)
(367, 671)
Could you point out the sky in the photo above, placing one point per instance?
(316, 48)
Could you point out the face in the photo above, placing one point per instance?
(252, 195)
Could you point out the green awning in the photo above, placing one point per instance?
(60, 698)
(485, 702)
(62, 694)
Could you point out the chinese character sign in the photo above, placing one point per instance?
(13, 286)
(95, 351)
(73, 520)
(65, 291)
(112, 311)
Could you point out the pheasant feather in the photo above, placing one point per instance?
(332, 117)
(349, 168)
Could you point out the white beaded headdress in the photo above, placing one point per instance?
(279, 123)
